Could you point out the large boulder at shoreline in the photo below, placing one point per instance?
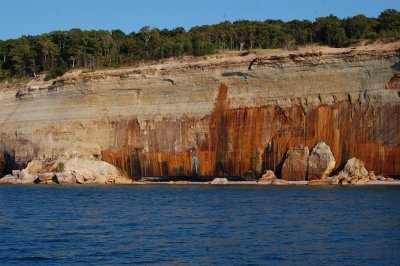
(295, 165)
(355, 173)
(85, 171)
(8, 179)
(320, 162)
(25, 177)
(355, 167)
(18, 177)
(219, 181)
(268, 177)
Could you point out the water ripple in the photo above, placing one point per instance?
(199, 225)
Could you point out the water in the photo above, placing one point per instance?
(217, 225)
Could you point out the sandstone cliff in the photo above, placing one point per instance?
(222, 115)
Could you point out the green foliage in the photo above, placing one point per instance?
(60, 167)
(58, 51)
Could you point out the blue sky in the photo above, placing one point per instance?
(33, 17)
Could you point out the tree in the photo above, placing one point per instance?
(358, 27)
(329, 31)
(59, 51)
(389, 21)
(22, 57)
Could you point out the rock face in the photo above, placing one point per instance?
(321, 162)
(295, 165)
(216, 118)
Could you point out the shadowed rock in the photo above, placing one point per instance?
(321, 162)
(295, 165)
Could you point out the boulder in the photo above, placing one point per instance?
(46, 176)
(334, 180)
(66, 178)
(372, 176)
(8, 179)
(381, 178)
(15, 173)
(35, 166)
(355, 167)
(92, 171)
(25, 178)
(320, 162)
(295, 165)
(280, 182)
(268, 177)
(219, 181)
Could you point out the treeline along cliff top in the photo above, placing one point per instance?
(58, 51)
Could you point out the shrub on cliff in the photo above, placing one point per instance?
(58, 51)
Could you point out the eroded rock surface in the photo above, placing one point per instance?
(321, 162)
(295, 165)
(267, 177)
(212, 121)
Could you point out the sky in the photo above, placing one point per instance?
(34, 17)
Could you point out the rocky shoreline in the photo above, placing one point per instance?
(76, 171)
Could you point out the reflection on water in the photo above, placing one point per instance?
(199, 225)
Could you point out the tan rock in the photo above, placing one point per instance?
(8, 179)
(268, 177)
(35, 166)
(46, 176)
(355, 167)
(15, 173)
(66, 178)
(381, 178)
(353, 180)
(321, 162)
(280, 182)
(219, 181)
(334, 180)
(295, 165)
(88, 171)
(122, 180)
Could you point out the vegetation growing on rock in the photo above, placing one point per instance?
(58, 51)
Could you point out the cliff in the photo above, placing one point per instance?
(229, 114)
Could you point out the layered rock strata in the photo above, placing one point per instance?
(222, 116)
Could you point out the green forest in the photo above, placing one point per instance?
(58, 51)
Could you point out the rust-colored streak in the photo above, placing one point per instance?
(236, 141)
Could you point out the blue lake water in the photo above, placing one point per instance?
(165, 224)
